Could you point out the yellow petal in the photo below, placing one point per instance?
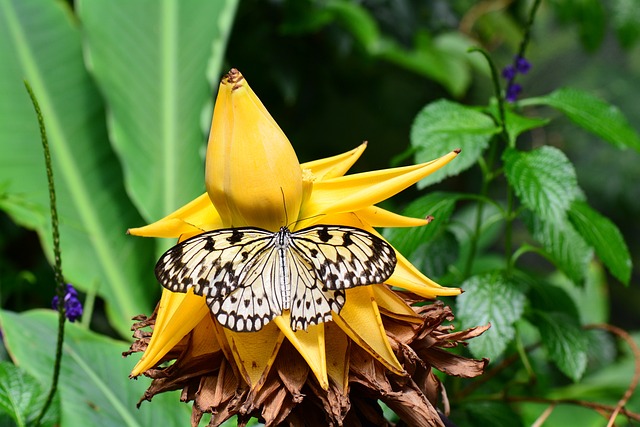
(310, 344)
(360, 319)
(378, 217)
(253, 176)
(359, 191)
(193, 218)
(335, 166)
(394, 306)
(178, 314)
(406, 276)
(254, 352)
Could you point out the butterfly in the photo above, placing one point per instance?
(249, 275)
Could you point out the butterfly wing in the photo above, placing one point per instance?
(258, 297)
(311, 304)
(214, 263)
(344, 257)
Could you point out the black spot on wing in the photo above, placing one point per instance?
(323, 234)
(346, 239)
(235, 237)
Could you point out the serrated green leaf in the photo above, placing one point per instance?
(564, 340)
(592, 114)
(153, 74)
(605, 238)
(40, 42)
(21, 397)
(444, 126)
(94, 386)
(544, 180)
(495, 299)
(439, 205)
(565, 246)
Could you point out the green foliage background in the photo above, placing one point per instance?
(127, 91)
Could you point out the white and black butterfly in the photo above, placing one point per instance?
(249, 275)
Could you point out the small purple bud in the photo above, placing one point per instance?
(522, 65)
(509, 72)
(513, 91)
(72, 305)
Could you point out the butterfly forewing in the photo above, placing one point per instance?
(345, 257)
(250, 275)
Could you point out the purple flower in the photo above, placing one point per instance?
(509, 72)
(513, 90)
(522, 66)
(72, 305)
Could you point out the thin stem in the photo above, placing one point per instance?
(57, 267)
(498, 93)
(508, 230)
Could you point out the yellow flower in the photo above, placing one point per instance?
(253, 178)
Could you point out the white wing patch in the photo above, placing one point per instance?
(248, 275)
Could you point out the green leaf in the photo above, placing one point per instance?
(490, 298)
(626, 20)
(544, 180)
(437, 256)
(153, 74)
(22, 397)
(439, 205)
(546, 297)
(565, 246)
(605, 238)
(516, 123)
(592, 114)
(494, 414)
(564, 340)
(444, 126)
(358, 21)
(40, 42)
(94, 387)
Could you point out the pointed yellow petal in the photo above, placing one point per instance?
(393, 306)
(193, 218)
(378, 217)
(337, 349)
(178, 314)
(360, 319)
(406, 276)
(253, 176)
(335, 166)
(310, 344)
(254, 352)
(359, 191)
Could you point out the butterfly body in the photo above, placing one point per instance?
(250, 275)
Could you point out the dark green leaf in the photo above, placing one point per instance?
(495, 299)
(94, 387)
(564, 245)
(546, 297)
(358, 21)
(439, 205)
(435, 257)
(443, 126)
(592, 114)
(605, 237)
(22, 397)
(564, 340)
(495, 414)
(544, 180)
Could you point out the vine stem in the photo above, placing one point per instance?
(57, 266)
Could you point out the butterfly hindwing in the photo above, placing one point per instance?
(345, 257)
(311, 303)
